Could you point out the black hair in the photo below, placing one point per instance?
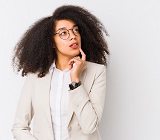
(35, 51)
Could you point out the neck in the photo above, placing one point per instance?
(62, 63)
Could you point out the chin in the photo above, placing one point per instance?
(76, 53)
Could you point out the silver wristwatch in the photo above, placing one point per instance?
(74, 85)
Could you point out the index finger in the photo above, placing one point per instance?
(83, 54)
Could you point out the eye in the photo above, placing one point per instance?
(76, 30)
(63, 32)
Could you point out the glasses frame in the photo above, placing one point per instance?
(68, 32)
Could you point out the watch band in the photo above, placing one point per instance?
(74, 85)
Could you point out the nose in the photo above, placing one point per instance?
(72, 35)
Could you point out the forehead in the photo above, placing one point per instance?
(64, 24)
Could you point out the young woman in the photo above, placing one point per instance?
(64, 57)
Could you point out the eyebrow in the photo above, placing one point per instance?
(65, 27)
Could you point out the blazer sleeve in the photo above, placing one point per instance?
(88, 107)
(24, 113)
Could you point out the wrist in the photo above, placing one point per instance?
(75, 80)
(74, 85)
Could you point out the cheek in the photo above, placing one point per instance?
(58, 41)
(60, 44)
(79, 39)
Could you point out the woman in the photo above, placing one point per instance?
(64, 58)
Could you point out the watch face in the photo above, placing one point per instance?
(74, 84)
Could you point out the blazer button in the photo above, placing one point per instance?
(69, 128)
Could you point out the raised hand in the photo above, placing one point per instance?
(76, 65)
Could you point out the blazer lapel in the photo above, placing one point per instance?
(46, 91)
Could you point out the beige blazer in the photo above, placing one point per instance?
(85, 106)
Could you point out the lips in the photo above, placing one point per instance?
(74, 45)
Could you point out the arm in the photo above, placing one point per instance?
(24, 114)
(88, 107)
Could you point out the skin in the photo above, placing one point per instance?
(66, 55)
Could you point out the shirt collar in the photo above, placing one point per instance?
(54, 66)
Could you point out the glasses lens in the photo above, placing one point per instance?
(76, 30)
(63, 34)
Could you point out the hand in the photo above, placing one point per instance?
(76, 65)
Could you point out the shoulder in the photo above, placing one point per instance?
(31, 77)
(95, 70)
(95, 67)
(34, 76)
(34, 79)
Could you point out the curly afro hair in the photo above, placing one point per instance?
(35, 52)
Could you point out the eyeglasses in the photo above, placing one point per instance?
(64, 33)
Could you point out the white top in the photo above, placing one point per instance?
(59, 102)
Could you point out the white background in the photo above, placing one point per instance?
(132, 109)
